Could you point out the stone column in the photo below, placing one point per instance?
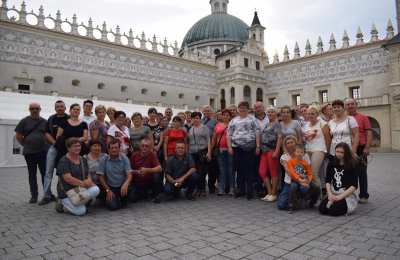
(238, 94)
(394, 90)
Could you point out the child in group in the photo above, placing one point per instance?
(341, 183)
(301, 179)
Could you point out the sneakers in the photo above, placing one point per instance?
(363, 200)
(156, 200)
(266, 197)
(59, 207)
(44, 201)
(269, 198)
(33, 200)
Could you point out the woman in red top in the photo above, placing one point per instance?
(172, 135)
(225, 160)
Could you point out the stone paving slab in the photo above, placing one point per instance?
(208, 228)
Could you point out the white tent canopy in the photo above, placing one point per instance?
(14, 106)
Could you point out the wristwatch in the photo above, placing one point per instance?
(107, 190)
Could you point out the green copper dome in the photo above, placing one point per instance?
(216, 27)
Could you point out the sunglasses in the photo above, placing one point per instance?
(34, 108)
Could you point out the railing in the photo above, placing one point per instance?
(373, 101)
(21, 16)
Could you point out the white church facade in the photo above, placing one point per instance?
(221, 61)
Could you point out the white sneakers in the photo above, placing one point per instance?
(269, 198)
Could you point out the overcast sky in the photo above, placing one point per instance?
(286, 21)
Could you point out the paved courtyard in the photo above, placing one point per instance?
(209, 228)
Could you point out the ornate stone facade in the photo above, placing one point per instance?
(49, 59)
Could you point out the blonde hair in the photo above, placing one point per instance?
(98, 108)
(315, 108)
(287, 138)
(109, 109)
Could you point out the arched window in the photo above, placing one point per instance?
(216, 7)
(222, 94)
(144, 91)
(224, 7)
(232, 101)
(376, 132)
(259, 95)
(247, 94)
(163, 93)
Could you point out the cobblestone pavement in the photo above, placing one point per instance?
(209, 228)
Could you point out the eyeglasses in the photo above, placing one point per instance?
(34, 108)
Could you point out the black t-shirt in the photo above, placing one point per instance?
(156, 130)
(176, 167)
(341, 178)
(54, 122)
(69, 131)
(65, 166)
(33, 131)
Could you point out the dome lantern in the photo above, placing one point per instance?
(219, 6)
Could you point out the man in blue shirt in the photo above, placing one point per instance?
(115, 175)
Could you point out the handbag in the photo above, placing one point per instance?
(215, 151)
(202, 153)
(79, 195)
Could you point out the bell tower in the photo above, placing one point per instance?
(256, 31)
(219, 6)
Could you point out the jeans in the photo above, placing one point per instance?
(362, 177)
(190, 184)
(33, 161)
(118, 201)
(81, 209)
(338, 208)
(140, 190)
(225, 161)
(50, 166)
(202, 169)
(290, 191)
(245, 161)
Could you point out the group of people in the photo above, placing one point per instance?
(298, 157)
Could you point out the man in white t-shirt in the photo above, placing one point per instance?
(88, 116)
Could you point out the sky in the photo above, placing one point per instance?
(286, 21)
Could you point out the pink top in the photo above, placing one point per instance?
(363, 126)
(219, 130)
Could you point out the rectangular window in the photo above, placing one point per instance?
(23, 88)
(272, 102)
(296, 100)
(355, 92)
(227, 64)
(323, 96)
(246, 62)
(257, 65)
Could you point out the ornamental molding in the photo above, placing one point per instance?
(60, 53)
(324, 70)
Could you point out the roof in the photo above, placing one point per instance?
(256, 20)
(215, 28)
(393, 41)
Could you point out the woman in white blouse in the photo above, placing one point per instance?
(343, 128)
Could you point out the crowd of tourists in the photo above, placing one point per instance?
(300, 157)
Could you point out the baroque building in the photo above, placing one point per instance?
(220, 62)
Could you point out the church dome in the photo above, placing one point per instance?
(217, 27)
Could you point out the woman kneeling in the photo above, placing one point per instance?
(341, 183)
(75, 187)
